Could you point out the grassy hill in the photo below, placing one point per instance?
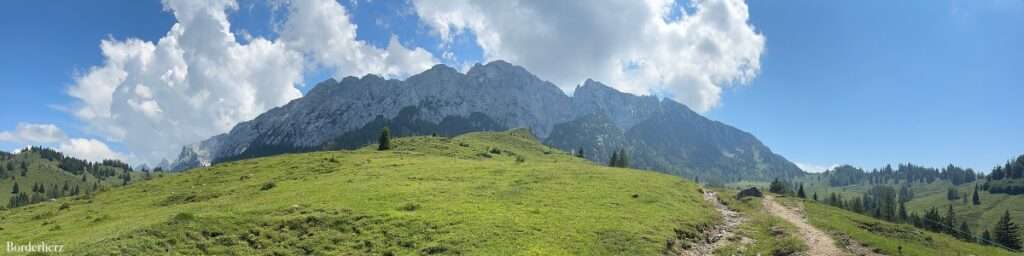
(496, 193)
(928, 195)
(886, 237)
(38, 169)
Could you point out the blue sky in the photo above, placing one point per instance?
(865, 82)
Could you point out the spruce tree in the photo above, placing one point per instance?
(800, 192)
(15, 190)
(580, 153)
(965, 232)
(815, 196)
(1007, 233)
(384, 142)
(950, 221)
(614, 162)
(975, 198)
(903, 212)
(624, 160)
(986, 238)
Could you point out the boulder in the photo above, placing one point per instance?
(749, 193)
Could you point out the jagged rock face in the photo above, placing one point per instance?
(660, 134)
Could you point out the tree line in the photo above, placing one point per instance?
(903, 173)
(885, 203)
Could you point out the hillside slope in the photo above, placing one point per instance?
(41, 167)
(497, 193)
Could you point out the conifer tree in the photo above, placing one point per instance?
(1007, 233)
(986, 238)
(965, 232)
(579, 153)
(15, 190)
(614, 162)
(800, 192)
(976, 200)
(950, 221)
(903, 212)
(384, 142)
(623, 159)
(815, 196)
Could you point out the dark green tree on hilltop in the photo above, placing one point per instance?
(965, 232)
(1007, 233)
(619, 159)
(800, 192)
(777, 187)
(949, 221)
(975, 198)
(384, 142)
(614, 161)
(986, 238)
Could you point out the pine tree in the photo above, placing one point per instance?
(986, 238)
(384, 142)
(614, 162)
(975, 198)
(815, 197)
(950, 221)
(777, 187)
(965, 232)
(800, 192)
(624, 160)
(1007, 233)
(15, 190)
(903, 212)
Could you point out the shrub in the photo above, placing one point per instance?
(409, 207)
(267, 186)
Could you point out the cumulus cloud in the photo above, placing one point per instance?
(321, 29)
(33, 134)
(199, 80)
(637, 46)
(88, 149)
(49, 134)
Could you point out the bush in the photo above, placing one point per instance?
(267, 186)
(520, 159)
(409, 207)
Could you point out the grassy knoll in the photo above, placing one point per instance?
(498, 193)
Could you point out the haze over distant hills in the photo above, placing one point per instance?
(658, 134)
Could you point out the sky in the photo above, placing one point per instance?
(820, 82)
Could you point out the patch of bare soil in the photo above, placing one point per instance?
(818, 242)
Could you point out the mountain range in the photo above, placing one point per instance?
(657, 134)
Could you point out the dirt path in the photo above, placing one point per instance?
(721, 234)
(818, 242)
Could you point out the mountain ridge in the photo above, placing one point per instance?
(505, 94)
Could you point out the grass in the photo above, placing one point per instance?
(465, 195)
(772, 235)
(889, 238)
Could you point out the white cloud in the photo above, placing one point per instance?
(321, 29)
(813, 168)
(199, 80)
(633, 45)
(88, 149)
(33, 133)
(49, 134)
